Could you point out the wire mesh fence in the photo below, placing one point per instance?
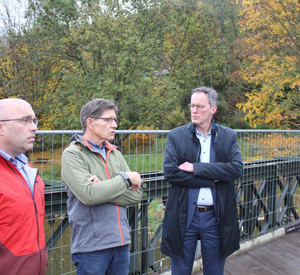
(268, 194)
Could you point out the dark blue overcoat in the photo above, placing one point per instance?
(182, 146)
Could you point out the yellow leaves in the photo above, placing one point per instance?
(27, 75)
(139, 141)
(270, 61)
(47, 122)
(277, 145)
(268, 105)
(272, 145)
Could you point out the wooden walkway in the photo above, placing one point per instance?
(279, 256)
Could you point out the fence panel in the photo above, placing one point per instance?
(268, 194)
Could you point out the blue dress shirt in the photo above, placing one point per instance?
(205, 195)
(27, 172)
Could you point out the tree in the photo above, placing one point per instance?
(24, 73)
(270, 53)
(198, 50)
(145, 55)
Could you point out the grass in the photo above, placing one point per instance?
(145, 163)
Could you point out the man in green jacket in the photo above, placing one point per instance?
(100, 185)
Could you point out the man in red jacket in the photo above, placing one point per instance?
(22, 205)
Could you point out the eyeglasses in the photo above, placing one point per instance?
(26, 120)
(197, 106)
(107, 119)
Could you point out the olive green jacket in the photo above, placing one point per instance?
(96, 211)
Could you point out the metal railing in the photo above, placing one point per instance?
(268, 194)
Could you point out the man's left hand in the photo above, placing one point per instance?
(93, 178)
(187, 167)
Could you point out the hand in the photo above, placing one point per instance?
(187, 167)
(93, 178)
(135, 179)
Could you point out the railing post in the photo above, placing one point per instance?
(248, 209)
(144, 239)
(134, 234)
(272, 201)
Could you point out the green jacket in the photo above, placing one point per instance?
(97, 211)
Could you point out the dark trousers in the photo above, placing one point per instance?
(204, 226)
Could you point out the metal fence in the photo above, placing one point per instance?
(268, 194)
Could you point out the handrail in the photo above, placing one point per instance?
(264, 196)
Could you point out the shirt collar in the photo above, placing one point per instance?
(93, 144)
(19, 161)
(201, 135)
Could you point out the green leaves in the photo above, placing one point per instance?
(145, 55)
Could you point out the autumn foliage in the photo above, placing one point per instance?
(139, 142)
(273, 145)
(269, 50)
(147, 56)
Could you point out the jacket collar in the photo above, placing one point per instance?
(214, 131)
(79, 139)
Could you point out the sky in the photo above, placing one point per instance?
(11, 11)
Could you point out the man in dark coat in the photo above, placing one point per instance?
(202, 160)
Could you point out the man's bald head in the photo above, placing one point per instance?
(16, 134)
(8, 106)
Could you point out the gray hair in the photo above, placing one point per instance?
(95, 108)
(211, 93)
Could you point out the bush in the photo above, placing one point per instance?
(139, 143)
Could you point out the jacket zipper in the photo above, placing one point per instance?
(108, 177)
(117, 207)
(198, 153)
(37, 222)
(35, 210)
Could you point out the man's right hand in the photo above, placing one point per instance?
(136, 180)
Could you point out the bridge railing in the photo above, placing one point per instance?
(268, 194)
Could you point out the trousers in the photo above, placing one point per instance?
(204, 226)
(103, 262)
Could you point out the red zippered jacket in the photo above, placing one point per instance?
(22, 237)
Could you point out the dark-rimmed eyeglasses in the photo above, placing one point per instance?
(26, 120)
(107, 119)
